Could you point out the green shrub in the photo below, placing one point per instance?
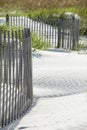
(38, 43)
(48, 15)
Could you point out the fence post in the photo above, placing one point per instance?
(26, 32)
(59, 33)
(77, 32)
(30, 68)
(7, 19)
(0, 79)
(28, 61)
(73, 32)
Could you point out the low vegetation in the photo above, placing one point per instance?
(49, 14)
(38, 43)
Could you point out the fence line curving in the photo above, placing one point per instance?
(16, 93)
(61, 33)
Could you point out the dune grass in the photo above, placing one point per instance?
(38, 42)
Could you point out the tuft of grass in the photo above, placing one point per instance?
(38, 43)
(12, 29)
(81, 46)
(9, 28)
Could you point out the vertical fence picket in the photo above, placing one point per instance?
(13, 81)
(20, 70)
(11, 20)
(9, 77)
(55, 40)
(16, 92)
(78, 25)
(59, 33)
(0, 78)
(24, 46)
(30, 89)
(63, 34)
(6, 76)
(50, 37)
(3, 85)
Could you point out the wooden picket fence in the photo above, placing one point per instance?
(63, 33)
(16, 93)
(15, 75)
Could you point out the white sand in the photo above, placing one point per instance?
(60, 93)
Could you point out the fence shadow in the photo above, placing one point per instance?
(60, 50)
(15, 123)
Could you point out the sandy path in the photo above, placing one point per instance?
(59, 74)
